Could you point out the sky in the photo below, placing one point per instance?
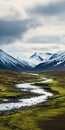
(28, 26)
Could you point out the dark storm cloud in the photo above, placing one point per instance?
(44, 39)
(12, 30)
(50, 9)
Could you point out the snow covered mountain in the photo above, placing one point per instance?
(55, 62)
(60, 56)
(38, 58)
(36, 62)
(10, 63)
(32, 59)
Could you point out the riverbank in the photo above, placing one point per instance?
(42, 95)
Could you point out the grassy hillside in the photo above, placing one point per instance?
(46, 116)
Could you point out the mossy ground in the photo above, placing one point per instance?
(36, 117)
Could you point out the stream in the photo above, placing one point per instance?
(30, 87)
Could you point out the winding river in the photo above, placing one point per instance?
(43, 96)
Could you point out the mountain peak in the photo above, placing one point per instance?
(36, 56)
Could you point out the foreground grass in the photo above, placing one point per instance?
(36, 117)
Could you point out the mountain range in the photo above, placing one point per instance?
(55, 62)
(36, 62)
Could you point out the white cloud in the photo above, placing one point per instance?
(19, 47)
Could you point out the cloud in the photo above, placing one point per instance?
(13, 30)
(29, 25)
(49, 9)
(45, 39)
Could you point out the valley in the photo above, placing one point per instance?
(42, 116)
